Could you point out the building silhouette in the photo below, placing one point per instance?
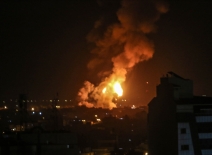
(179, 123)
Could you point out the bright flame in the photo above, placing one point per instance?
(117, 89)
(104, 90)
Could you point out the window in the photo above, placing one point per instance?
(184, 147)
(183, 130)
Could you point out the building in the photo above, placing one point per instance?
(179, 123)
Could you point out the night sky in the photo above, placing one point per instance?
(44, 48)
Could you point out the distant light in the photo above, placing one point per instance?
(57, 106)
(121, 118)
(5, 107)
(70, 100)
(43, 117)
(129, 140)
(67, 146)
(146, 153)
(98, 120)
(75, 116)
(16, 109)
(3, 101)
(95, 115)
(33, 109)
(33, 112)
(16, 105)
(147, 82)
(133, 107)
(40, 113)
(65, 100)
(31, 101)
(50, 100)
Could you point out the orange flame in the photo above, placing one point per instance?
(116, 88)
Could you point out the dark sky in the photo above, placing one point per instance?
(44, 48)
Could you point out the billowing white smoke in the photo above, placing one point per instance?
(124, 44)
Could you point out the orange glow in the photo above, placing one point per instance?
(104, 90)
(116, 87)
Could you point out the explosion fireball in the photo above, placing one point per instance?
(124, 44)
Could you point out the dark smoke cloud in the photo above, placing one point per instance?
(126, 39)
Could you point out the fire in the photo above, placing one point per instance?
(104, 90)
(116, 87)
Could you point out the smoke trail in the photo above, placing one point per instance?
(124, 44)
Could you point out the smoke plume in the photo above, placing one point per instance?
(124, 44)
